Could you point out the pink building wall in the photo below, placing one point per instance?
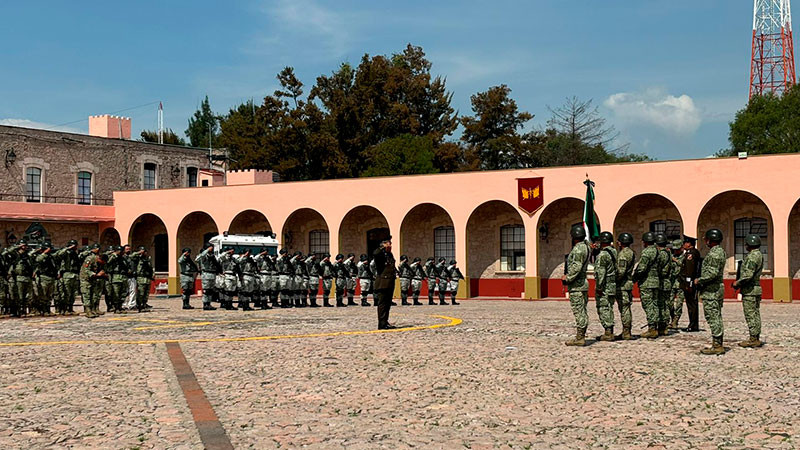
(690, 185)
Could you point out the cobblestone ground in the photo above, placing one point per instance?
(502, 378)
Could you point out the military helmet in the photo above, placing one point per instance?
(649, 237)
(625, 238)
(753, 240)
(141, 248)
(606, 237)
(283, 251)
(47, 245)
(351, 255)
(661, 239)
(430, 258)
(326, 255)
(577, 232)
(416, 259)
(95, 246)
(339, 256)
(677, 243)
(186, 250)
(363, 257)
(403, 258)
(714, 235)
(452, 262)
(72, 242)
(441, 259)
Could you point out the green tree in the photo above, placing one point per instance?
(768, 124)
(493, 132)
(405, 154)
(169, 137)
(203, 126)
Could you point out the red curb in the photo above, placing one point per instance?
(205, 419)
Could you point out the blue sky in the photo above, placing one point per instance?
(668, 74)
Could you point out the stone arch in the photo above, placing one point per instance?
(250, 221)
(361, 230)
(554, 241)
(149, 230)
(194, 230)
(495, 268)
(427, 230)
(723, 211)
(648, 212)
(110, 236)
(297, 229)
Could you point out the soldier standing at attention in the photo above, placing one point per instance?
(749, 284)
(688, 273)
(231, 274)
(605, 275)
(352, 279)
(577, 285)
(665, 285)
(364, 278)
(712, 291)
(326, 272)
(430, 274)
(625, 262)
(384, 284)
(69, 273)
(404, 273)
(646, 275)
(312, 269)
(417, 275)
(677, 298)
(46, 274)
(188, 269)
(441, 276)
(249, 271)
(455, 275)
(209, 268)
(340, 270)
(144, 273)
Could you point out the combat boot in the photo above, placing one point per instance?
(431, 302)
(314, 302)
(327, 303)
(351, 302)
(245, 306)
(405, 302)
(753, 342)
(716, 347)
(662, 328)
(673, 325)
(453, 301)
(651, 332)
(608, 336)
(417, 302)
(186, 304)
(365, 303)
(208, 307)
(580, 338)
(626, 334)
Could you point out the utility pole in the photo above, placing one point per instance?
(772, 63)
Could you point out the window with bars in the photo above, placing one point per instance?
(191, 176)
(512, 248)
(149, 176)
(318, 243)
(84, 188)
(33, 184)
(746, 226)
(671, 228)
(444, 243)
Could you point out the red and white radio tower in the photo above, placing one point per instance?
(772, 65)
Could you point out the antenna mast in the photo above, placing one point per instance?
(772, 62)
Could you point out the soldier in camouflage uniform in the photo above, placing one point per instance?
(605, 275)
(4, 304)
(712, 290)
(69, 268)
(430, 274)
(405, 275)
(312, 269)
(647, 276)
(22, 274)
(209, 269)
(417, 275)
(748, 282)
(231, 277)
(352, 279)
(626, 259)
(144, 273)
(117, 268)
(46, 275)
(249, 272)
(327, 272)
(300, 280)
(285, 278)
(93, 282)
(678, 294)
(34, 304)
(188, 270)
(274, 285)
(665, 284)
(454, 276)
(577, 285)
(364, 278)
(341, 279)
(441, 277)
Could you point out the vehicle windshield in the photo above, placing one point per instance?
(239, 249)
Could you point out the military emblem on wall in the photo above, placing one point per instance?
(530, 194)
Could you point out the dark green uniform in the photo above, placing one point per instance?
(144, 278)
(22, 273)
(46, 275)
(625, 262)
(605, 275)
(93, 280)
(69, 267)
(577, 284)
(712, 290)
(749, 281)
(649, 284)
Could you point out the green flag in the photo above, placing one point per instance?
(590, 223)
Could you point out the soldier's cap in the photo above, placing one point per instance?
(416, 259)
(72, 242)
(388, 239)
(283, 251)
(141, 248)
(452, 262)
(690, 240)
(403, 258)
(339, 256)
(186, 250)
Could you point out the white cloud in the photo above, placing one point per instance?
(25, 123)
(657, 108)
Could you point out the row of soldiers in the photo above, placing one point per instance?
(293, 280)
(664, 284)
(34, 277)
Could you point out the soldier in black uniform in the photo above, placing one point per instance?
(690, 271)
(384, 283)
